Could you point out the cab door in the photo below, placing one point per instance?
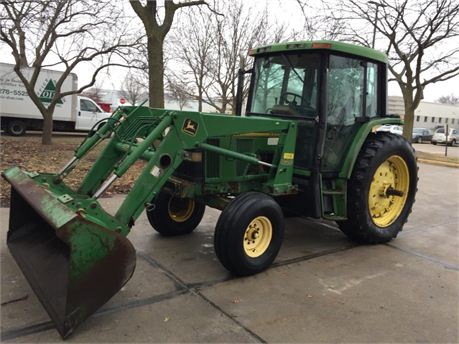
(352, 89)
(87, 114)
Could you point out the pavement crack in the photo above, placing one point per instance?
(196, 292)
(446, 265)
(22, 298)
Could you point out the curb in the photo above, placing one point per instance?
(438, 163)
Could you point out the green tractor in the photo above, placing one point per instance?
(306, 146)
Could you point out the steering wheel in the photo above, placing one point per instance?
(294, 97)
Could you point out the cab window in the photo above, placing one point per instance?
(87, 105)
(286, 84)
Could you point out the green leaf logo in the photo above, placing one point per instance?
(48, 93)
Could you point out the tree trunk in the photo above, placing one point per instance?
(409, 114)
(156, 72)
(46, 137)
(200, 100)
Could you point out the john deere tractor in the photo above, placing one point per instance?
(306, 146)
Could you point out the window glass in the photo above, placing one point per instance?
(345, 87)
(372, 90)
(433, 119)
(439, 120)
(345, 90)
(286, 84)
(425, 118)
(417, 118)
(86, 105)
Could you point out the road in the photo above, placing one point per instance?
(321, 288)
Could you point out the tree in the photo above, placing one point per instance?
(156, 32)
(211, 49)
(179, 91)
(95, 93)
(417, 35)
(449, 99)
(62, 34)
(191, 48)
(133, 89)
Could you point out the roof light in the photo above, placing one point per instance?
(321, 45)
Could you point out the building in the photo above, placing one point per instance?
(427, 115)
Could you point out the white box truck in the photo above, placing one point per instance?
(18, 113)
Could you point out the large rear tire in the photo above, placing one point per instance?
(382, 189)
(249, 233)
(170, 215)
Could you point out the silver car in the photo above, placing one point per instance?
(440, 137)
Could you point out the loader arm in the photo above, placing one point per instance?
(75, 254)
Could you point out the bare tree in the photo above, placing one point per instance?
(449, 99)
(95, 93)
(191, 46)
(62, 34)
(223, 48)
(417, 35)
(133, 88)
(179, 91)
(156, 29)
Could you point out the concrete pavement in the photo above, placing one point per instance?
(321, 288)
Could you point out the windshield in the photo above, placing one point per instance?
(286, 84)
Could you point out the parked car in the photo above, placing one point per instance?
(394, 129)
(440, 137)
(421, 135)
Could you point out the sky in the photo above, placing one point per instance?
(282, 11)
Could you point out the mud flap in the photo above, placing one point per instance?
(73, 265)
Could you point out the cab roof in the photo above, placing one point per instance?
(323, 44)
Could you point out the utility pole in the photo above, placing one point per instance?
(378, 5)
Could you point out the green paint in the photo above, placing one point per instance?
(49, 92)
(342, 47)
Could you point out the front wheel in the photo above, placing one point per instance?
(381, 190)
(249, 233)
(170, 215)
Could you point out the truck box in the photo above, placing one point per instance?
(18, 113)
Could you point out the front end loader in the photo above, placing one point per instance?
(306, 147)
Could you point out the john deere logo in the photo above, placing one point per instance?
(190, 127)
(48, 93)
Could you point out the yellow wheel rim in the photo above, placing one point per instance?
(388, 191)
(257, 236)
(180, 209)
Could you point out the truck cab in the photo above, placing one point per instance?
(89, 113)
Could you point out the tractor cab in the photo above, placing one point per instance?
(330, 89)
(326, 86)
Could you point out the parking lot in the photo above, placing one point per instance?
(321, 288)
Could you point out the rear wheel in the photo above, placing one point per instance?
(381, 190)
(249, 233)
(170, 215)
(16, 128)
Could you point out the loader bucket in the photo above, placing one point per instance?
(73, 265)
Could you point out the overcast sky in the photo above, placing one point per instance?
(285, 11)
